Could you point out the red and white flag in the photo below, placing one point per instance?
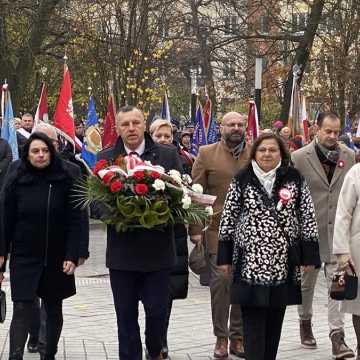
(42, 113)
(252, 131)
(304, 119)
(64, 114)
(110, 136)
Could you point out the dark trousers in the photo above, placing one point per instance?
(21, 322)
(35, 323)
(152, 289)
(167, 320)
(262, 331)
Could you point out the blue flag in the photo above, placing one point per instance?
(212, 134)
(199, 138)
(347, 130)
(165, 110)
(8, 130)
(92, 138)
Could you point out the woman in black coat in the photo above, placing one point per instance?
(40, 228)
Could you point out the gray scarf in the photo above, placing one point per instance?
(238, 149)
(331, 155)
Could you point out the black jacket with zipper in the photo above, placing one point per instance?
(40, 228)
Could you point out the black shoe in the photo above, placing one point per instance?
(47, 357)
(32, 347)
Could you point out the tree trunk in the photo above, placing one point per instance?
(302, 54)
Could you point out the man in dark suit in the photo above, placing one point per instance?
(140, 260)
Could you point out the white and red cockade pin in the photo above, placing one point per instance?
(285, 196)
(341, 164)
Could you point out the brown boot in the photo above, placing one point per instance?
(221, 348)
(237, 348)
(158, 358)
(339, 348)
(306, 335)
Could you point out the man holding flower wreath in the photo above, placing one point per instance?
(140, 259)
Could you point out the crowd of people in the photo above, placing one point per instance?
(284, 209)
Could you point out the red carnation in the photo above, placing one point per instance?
(155, 175)
(107, 177)
(139, 175)
(101, 164)
(116, 186)
(141, 189)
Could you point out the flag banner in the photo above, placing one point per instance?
(252, 130)
(212, 132)
(8, 130)
(294, 121)
(92, 139)
(347, 130)
(110, 136)
(207, 114)
(199, 137)
(304, 119)
(42, 112)
(64, 114)
(165, 110)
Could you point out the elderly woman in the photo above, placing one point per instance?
(161, 132)
(346, 241)
(267, 230)
(40, 227)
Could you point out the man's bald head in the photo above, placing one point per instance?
(233, 115)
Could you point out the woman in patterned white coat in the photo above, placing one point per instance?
(346, 241)
(267, 231)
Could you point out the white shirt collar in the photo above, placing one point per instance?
(140, 149)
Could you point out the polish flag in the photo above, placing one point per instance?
(110, 136)
(42, 113)
(304, 119)
(64, 114)
(252, 131)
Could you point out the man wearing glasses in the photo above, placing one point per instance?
(214, 168)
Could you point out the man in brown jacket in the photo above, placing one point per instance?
(214, 169)
(324, 164)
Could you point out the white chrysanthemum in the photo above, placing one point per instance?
(159, 185)
(209, 210)
(197, 188)
(175, 175)
(186, 202)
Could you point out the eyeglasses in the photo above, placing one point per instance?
(263, 150)
(234, 126)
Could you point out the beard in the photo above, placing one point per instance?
(234, 139)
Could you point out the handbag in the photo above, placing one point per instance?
(344, 284)
(2, 305)
(197, 259)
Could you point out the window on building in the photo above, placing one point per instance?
(264, 24)
(229, 70)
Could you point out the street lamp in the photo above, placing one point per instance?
(258, 80)
(194, 71)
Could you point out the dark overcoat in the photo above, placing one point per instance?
(141, 249)
(5, 159)
(40, 227)
(179, 279)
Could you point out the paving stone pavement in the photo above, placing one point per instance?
(90, 327)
